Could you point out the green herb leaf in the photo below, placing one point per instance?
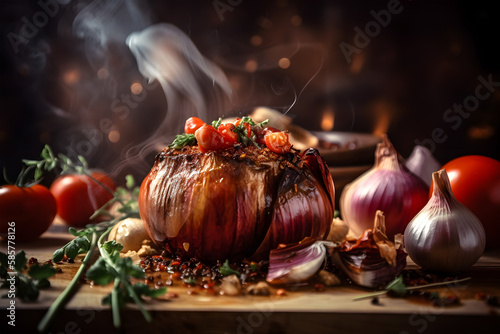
(217, 123)
(143, 289)
(263, 123)
(99, 273)
(397, 286)
(247, 120)
(183, 140)
(20, 260)
(226, 270)
(40, 272)
(58, 255)
(130, 182)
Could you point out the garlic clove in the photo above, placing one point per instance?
(130, 233)
(444, 236)
(338, 230)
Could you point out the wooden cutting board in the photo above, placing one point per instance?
(300, 311)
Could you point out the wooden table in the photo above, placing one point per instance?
(300, 311)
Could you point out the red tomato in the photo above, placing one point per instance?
(209, 138)
(78, 197)
(193, 124)
(25, 212)
(277, 142)
(226, 130)
(475, 182)
(260, 133)
(246, 125)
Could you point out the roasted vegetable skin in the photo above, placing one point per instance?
(235, 203)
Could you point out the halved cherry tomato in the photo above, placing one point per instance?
(226, 130)
(209, 138)
(246, 125)
(193, 124)
(278, 142)
(260, 133)
(79, 196)
(25, 212)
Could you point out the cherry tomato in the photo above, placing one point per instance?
(193, 124)
(260, 133)
(246, 125)
(25, 212)
(226, 130)
(209, 138)
(475, 182)
(79, 196)
(277, 142)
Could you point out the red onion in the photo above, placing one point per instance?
(235, 203)
(298, 262)
(422, 163)
(388, 187)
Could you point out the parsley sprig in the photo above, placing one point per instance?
(27, 281)
(226, 270)
(110, 267)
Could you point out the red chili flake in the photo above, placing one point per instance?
(175, 262)
(192, 292)
(176, 275)
(319, 287)
(281, 292)
(173, 295)
(49, 262)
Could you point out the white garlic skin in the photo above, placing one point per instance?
(130, 233)
(444, 236)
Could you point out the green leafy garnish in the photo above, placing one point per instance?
(226, 270)
(183, 140)
(217, 123)
(110, 267)
(27, 284)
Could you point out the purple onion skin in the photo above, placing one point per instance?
(399, 194)
(367, 268)
(213, 208)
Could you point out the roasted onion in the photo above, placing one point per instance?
(235, 203)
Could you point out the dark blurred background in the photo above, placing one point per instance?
(392, 67)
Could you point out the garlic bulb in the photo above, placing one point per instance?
(444, 236)
(422, 163)
(388, 187)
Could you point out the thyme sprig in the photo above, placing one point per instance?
(399, 288)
